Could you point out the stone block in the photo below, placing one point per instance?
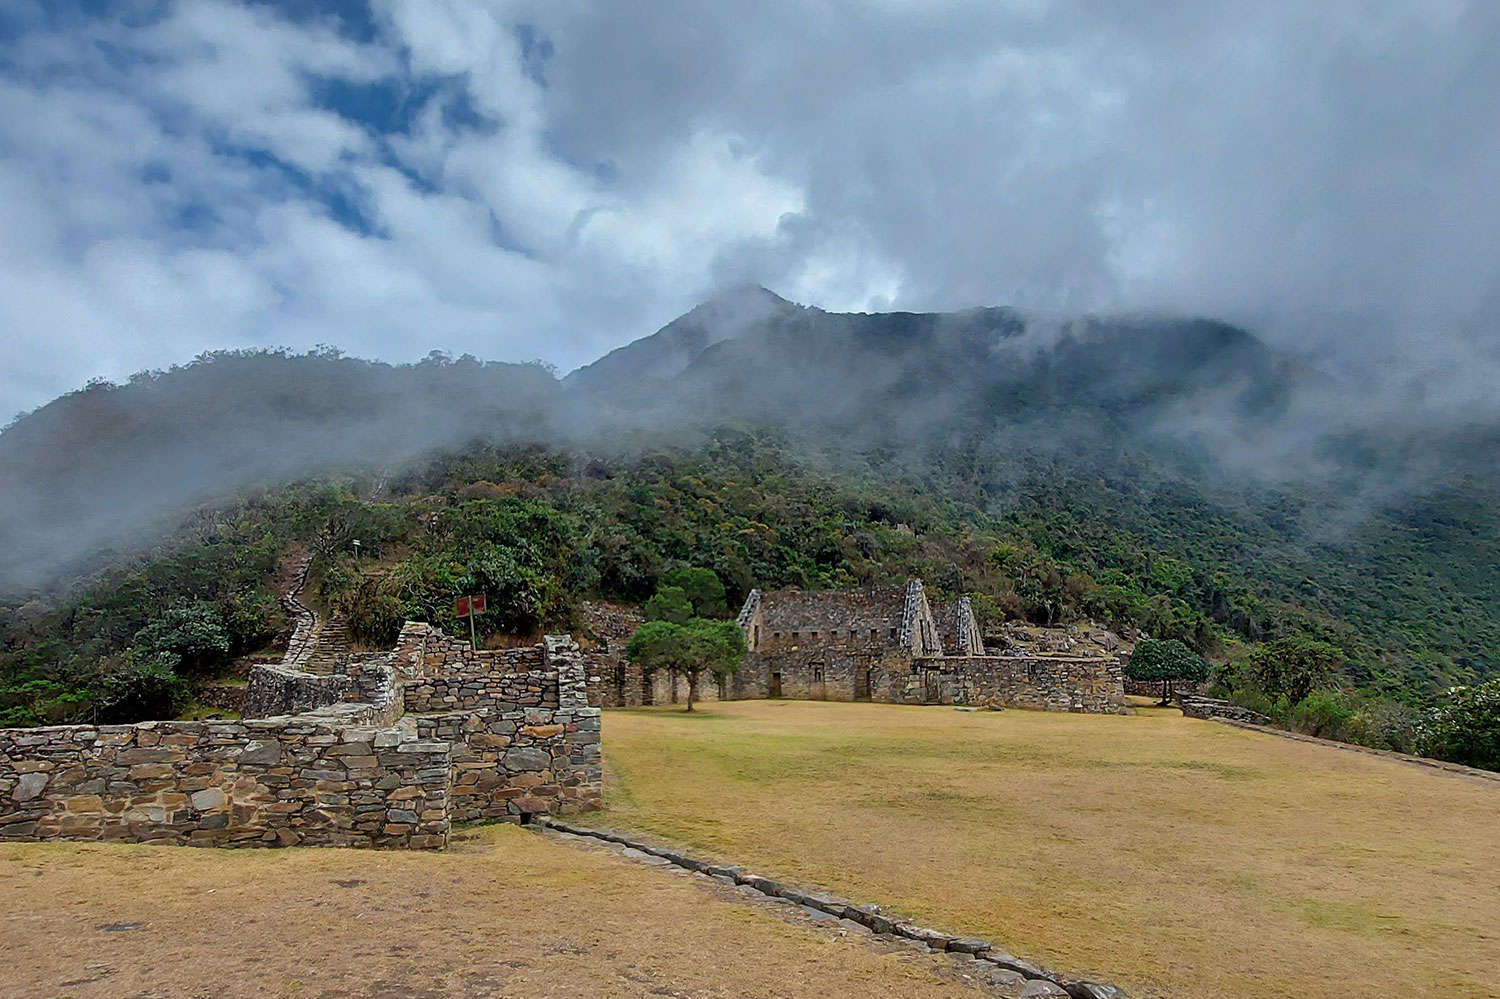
(29, 786)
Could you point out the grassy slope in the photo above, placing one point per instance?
(504, 914)
(1178, 858)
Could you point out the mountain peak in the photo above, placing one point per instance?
(668, 352)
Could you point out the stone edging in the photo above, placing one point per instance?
(1422, 761)
(1005, 968)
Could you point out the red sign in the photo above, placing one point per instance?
(476, 603)
(461, 607)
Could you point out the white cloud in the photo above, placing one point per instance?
(1323, 171)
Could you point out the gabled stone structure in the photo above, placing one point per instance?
(834, 645)
(890, 644)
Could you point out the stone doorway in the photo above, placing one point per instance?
(774, 688)
(862, 680)
(932, 687)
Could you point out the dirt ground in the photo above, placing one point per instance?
(1173, 857)
(504, 913)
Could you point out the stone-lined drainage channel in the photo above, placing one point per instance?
(1003, 973)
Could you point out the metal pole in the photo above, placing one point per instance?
(473, 642)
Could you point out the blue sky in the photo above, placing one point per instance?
(542, 180)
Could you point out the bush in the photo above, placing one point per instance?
(1255, 699)
(192, 634)
(1327, 714)
(143, 686)
(1467, 729)
(701, 587)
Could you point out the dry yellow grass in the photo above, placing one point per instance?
(506, 913)
(1176, 857)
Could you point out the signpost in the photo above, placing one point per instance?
(468, 607)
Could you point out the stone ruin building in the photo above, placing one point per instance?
(891, 645)
(885, 644)
(336, 749)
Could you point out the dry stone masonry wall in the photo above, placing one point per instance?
(387, 752)
(327, 778)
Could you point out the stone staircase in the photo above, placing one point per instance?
(318, 645)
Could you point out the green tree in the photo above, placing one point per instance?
(702, 587)
(1467, 728)
(671, 603)
(700, 646)
(1155, 661)
(192, 633)
(1291, 667)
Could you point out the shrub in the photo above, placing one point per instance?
(1291, 667)
(701, 587)
(1466, 729)
(143, 686)
(193, 634)
(1327, 714)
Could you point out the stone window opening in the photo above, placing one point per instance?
(874, 634)
(817, 674)
(893, 634)
(813, 636)
(1032, 668)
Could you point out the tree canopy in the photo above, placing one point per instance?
(1291, 667)
(692, 649)
(1156, 661)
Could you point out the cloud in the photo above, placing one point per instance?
(530, 179)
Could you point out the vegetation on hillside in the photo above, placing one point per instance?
(538, 530)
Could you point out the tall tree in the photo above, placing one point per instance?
(1291, 667)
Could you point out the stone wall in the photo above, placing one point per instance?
(1050, 683)
(1197, 706)
(505, 679)
(833, 670)
(524, 737)
(510, 733)
(615, 681)
(279, 690)
(519, 763)
(327, 778)
(1152, 688)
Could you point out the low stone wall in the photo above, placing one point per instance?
(278, 690)
(1197, 706)
(510, 733)
(226, 697)
(1152, 688)
(328, 778)
(1048, 683)
(480, 687)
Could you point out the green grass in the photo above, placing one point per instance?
(1178, 858)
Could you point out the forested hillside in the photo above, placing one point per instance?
(1154, 474)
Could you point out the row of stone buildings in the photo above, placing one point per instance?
(883, 644)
